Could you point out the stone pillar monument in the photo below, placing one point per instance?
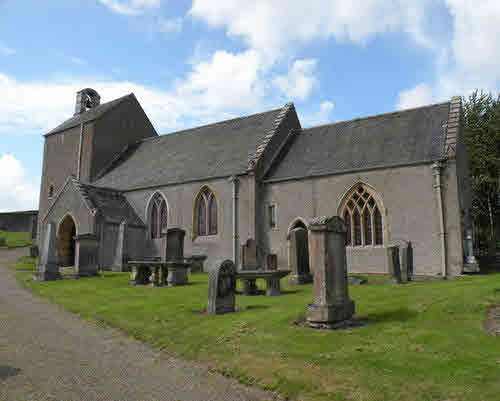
(222, 288)
(327, 256)
(471, 264)
(48, 269)
(86, 252)
(121, 257)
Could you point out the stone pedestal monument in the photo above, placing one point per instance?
(327, 256)
(222, 288)
(48, 269)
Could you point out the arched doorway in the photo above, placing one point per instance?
(66, 243)
(298, 252)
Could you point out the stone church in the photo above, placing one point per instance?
(112, 185)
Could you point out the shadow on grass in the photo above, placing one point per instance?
(8, 371)
(397, 315)
(237, 310)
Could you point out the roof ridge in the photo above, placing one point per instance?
(207, 125)
(377, 115)
(117, 101)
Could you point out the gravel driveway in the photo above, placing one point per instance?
(47, 353)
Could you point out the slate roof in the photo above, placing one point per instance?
(111, 204)
(215, 150)
(403, 137)
(89, 115)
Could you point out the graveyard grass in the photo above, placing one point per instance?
(16, 239)
(423, 341)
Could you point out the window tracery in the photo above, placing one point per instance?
(362, 217)
(206, 213)
(158, 218)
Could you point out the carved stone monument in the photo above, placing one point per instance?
(48, 269)
(298, 256)
(405, 260)
(222, 288)
(327, 256)
(177, 268)
(471, 264)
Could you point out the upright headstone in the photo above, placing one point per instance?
(471, 264)
(272, 261)
(222, 288)
(393, 263)
(2, 242)
(33, 251)
(175, 243)
(327, 255)
(298, 256)
(249, 255)
(405, 260)
(121, 257)
(86, 255)
(48, 269)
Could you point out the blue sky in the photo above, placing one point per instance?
(195, 62)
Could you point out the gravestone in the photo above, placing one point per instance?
(222, 288)
(121, 257)
(272, 261)
(249, 255)
(405, 259)
(48, 269)
(87, 247)
(298, 256)
(2, 242)
(175, 243)
(327, 255)
(34, 251)
(471, 264)
(177, 268)
(393, 263)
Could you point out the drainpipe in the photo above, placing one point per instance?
(79, 152)
(235, 182)
(436, 171)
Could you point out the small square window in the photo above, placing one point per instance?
(271, 209)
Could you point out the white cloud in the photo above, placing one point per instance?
(322, 116)
(417, 96)
(227, 83)
(130, 7)
(470, 59)
(6, 50)
(17, 191)
(299, 81)
(173, 25)
(78, 61)
(272, 28)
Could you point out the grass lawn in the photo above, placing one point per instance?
(422, 341)
(16, 239)
(25, 263)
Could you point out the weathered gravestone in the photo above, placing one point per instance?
(327, 254)
(48, 269)
(34, 251)
(405, 259)
(298, 256)
(393, 262)
(222, 288)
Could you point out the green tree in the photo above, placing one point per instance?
(482, 136)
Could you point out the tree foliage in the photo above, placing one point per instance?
(482, 137)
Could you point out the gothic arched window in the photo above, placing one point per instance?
(158, 216)
(362, 217)
(206, 213)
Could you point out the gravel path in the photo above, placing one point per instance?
(49, 354)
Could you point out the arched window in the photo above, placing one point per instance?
(362, 217)
(158, 216)
(206, 213)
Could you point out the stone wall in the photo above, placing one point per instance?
(410, 213)
(19, 222)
